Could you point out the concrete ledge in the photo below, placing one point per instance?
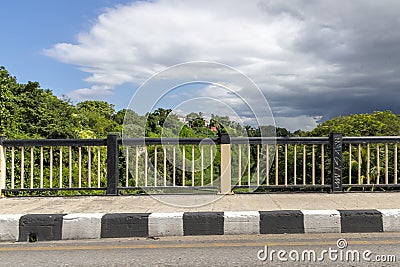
(9, 227)
(241, 222)
(82, 226)
(41, 227)
(321, 221)
(166, 224)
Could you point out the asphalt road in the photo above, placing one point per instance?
(249, 250)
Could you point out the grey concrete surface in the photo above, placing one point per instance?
(239, 250)
(188, 203)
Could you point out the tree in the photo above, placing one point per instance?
(98, 117)
(378, 123)
(27, 111)
(8, 84)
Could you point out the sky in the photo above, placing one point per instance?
(311, 60)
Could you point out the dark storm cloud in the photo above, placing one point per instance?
(362, 40)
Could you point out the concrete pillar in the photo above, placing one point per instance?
(225, 165)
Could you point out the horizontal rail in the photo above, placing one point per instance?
(169, 187)
(168, 141)
(15, 190)
(198, 141)
(371, 139)
(307, 186)
(280, 140)
(55, 142)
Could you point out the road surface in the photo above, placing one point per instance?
(245, 250)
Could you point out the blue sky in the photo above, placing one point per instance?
(31, 26)
(312, 60)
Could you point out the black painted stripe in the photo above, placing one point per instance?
(124, 225)
(40, 227)
(281, 221)
(361, 221)
(203, 223)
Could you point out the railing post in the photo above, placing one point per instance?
(336, 161)
(2, 165)
(225, 187)
(112, 165)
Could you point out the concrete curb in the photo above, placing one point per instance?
(44, 227)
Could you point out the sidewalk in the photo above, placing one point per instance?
(197, 203)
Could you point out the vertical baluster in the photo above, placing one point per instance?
(386, 164)
(239, 164)
(183, 165)
(70, 167)
(368, 165)
(165, 165)
(359, 164)
(145, 166)
(98, 167)
(294, 164)
(137, 166)
(32, 164)
(89, 167)
(79, 167)
(395, 163)
(174, 167)
(258, 165)
(276, 165)
(211, 165)
(286, 164)
(350, 163)
(313, 164)
(127, 166)
(41, 167)
(248, 166)
(22, 167)
(378, 164)
(267, 164)
(304, 164)
(192, 165)
(202, 165)
(155, 165)
(12, 167)
(322, 164)
(51, 168)
(61, 165)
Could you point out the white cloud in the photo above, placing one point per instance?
(305, 55)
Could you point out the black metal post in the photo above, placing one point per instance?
(336, 161)
(2, 139)
(112, 165)
(224, 138)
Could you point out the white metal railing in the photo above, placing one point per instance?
(152, 164)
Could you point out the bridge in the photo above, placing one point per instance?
(194, 186)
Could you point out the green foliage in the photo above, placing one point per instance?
(98, 117)
(378, 123)
(27, 111)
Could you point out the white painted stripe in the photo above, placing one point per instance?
(9, 227)
(390, 220)
(82, 226)
(166, 224)
(241, 222)
(321, 221)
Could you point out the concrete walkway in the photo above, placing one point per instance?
(204, 203)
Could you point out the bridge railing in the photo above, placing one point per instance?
(188, 165)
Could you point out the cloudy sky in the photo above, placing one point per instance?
(311, 59)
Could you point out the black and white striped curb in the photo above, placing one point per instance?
(43, 227)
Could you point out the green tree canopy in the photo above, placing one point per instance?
(378, 123)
